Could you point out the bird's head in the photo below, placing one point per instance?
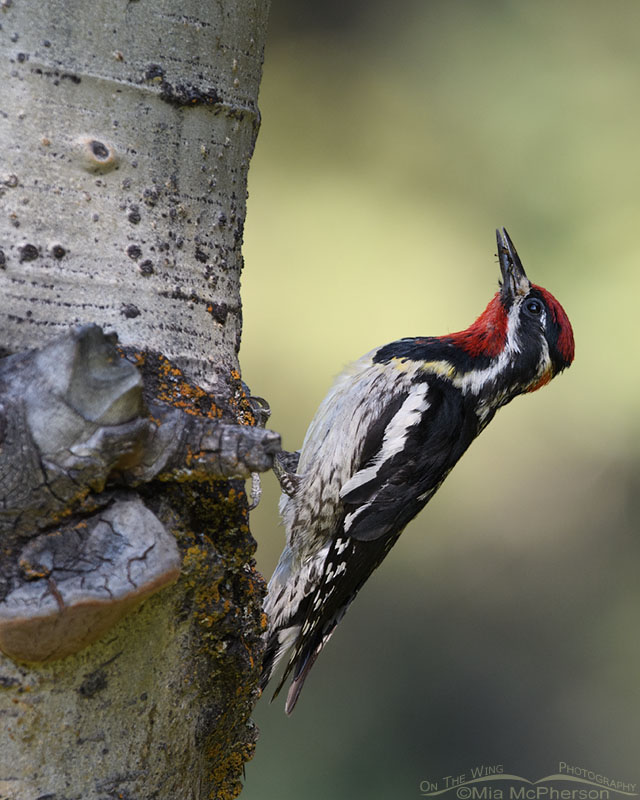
(523, 326)
(540, 317)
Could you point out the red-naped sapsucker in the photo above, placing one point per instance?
(382, 442)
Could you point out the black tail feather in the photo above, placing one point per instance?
(305, 653)
(321, 611)
(300, 677)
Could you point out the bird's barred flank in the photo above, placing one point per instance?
(383, 440)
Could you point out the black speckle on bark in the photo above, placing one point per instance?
(130, 311)
(219, 311)
(29, 252)
(99, 149)
(185, 94)
(134, 252)
(58, 251)
(150, 197)
(134, 215)
(201, 256)
(154, 72)
(3, 260)
(146, 267)
(93, 683)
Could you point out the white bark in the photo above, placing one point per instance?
(126, 129)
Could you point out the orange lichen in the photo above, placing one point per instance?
(240, 402)
(167, 383)
(32, 571)
(84, 502)
(222, 589)
(175, 390)
(202, 575)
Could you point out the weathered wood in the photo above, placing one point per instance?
(76, 435)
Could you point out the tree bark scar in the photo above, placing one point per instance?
(54, 591)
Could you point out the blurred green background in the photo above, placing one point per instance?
(503, 627)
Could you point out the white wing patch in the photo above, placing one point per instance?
(395, 435)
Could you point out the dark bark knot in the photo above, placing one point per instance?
(78, 547)
(96, 155)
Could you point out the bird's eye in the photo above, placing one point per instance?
(534, 307)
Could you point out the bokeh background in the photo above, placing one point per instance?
(503, 627)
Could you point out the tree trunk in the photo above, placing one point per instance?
(126, 130)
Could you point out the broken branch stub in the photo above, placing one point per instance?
(78, 549)
(185, 447)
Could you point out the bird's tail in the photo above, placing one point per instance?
(306, 651)
(300, 677)
(279, 642)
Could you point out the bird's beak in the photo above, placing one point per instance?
(514, 278)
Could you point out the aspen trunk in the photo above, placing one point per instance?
(126, 130)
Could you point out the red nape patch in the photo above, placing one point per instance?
(566, 346)
(487, 335)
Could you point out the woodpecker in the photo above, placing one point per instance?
(380, 445)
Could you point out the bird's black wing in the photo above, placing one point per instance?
(380, 499)
(388, 491)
